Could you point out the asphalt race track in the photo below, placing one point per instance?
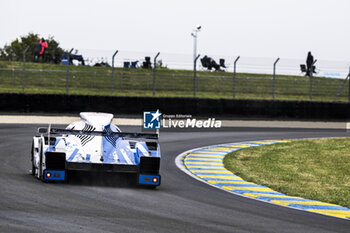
(180, 204)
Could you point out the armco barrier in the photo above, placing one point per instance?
(38, 103)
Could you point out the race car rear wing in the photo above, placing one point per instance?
(50, 130)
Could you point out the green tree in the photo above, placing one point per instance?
(14, 51)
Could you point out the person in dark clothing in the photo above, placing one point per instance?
(214, 64)
(309, 63)
(205, 62)
(209, 63)
(37, 50)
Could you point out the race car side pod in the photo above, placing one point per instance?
(97, 133)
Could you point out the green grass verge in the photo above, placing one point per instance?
(317, 169)
(86, 80)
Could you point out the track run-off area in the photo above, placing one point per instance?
(108, 203)
(207, 164)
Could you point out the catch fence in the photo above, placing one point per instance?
(128, 82)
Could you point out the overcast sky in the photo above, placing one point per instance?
(255, 28)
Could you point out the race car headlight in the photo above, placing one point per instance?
(48, 174)
(155, 180)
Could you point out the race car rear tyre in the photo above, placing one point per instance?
(33, 167)
(40, 168)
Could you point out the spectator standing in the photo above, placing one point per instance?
(37, 50)
(44, 46)
(309, 63)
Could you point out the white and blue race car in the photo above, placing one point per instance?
(95, 144)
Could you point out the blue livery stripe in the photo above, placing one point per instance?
(50, 148)
(108, 149)
(73, 155)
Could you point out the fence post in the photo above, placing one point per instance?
(95, 79)
(222, 83)
(340, 89)
(41, 77)
(13, 76)
(67, 81)
(24, 68)
(274, 78)
(195, 75)
(121, 80)
(234, 78)
(147, 82)
(112, 84)
(247, 85)
(154, 73)
(311, 78)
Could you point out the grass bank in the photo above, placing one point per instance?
(317, 169)
(87, 80)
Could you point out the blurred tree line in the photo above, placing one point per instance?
(14, 51)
